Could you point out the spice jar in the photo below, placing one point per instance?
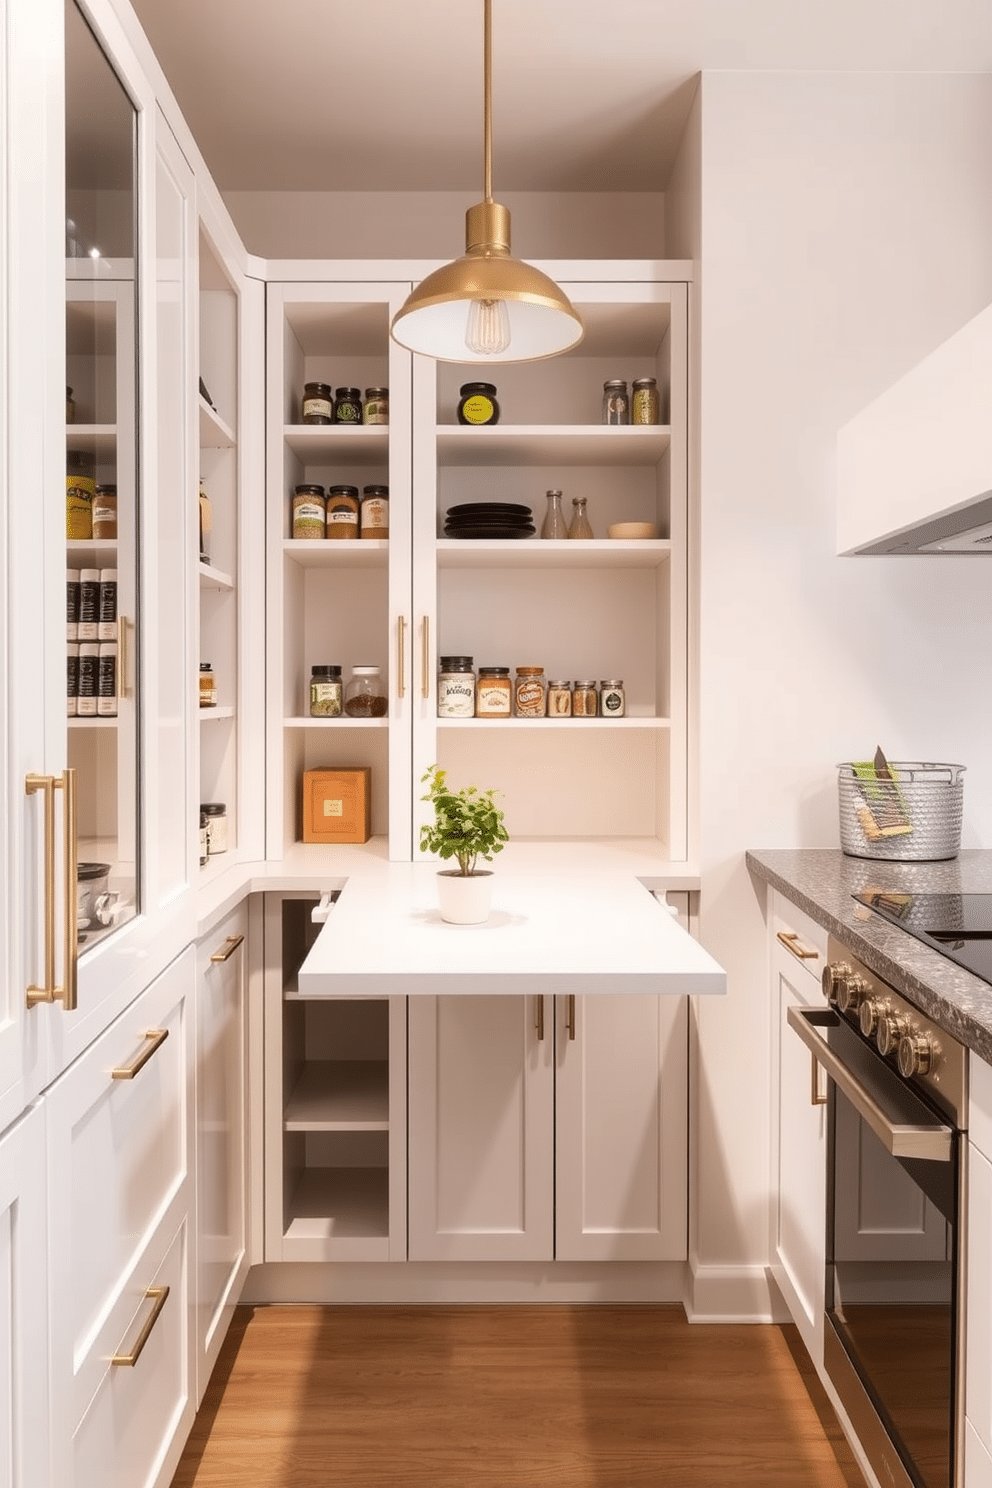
(80, 488)
(645, 403)
(106, 680)
(208, 686)
(325, 691)
(309, 512)
(616, 406)
(216, 814)
(105, 512)
(364, 696)
(374, 514)
(106, 620)
(342, 512)
(88, 679)
(72, 604)
(88, 623)
(611, 699)
(70, 406)
(71, 678)
(347, 406)
(559, 699)
(318, 403)
(585, 700)
(376, 406)
(493, 692)
(204, 837)
(456, 688)
(528, 692)
(478, 403)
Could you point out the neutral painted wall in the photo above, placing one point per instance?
(842, 227)
(411, 224)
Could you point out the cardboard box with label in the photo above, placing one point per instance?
(337, 805)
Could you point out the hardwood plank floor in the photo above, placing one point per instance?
(475, 1397)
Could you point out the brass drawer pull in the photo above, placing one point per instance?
(425, 658)
(227, 951)
(48, 785)
(792, 943)
(158, 1296)
(155, 1038)
(401, 656)
(815, 1098)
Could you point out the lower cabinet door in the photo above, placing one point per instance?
(133, 1430)
(799, 1206)
(481, 1178)
(978, 1327)
(977, 1460)
(621, 1128)
(24, 1415)
(119, 1143)
(221, 1097)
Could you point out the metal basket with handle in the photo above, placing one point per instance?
(913, 815)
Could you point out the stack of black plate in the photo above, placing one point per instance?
(488, 519)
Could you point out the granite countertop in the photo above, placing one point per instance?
(821, 881)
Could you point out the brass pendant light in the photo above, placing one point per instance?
(487, 306)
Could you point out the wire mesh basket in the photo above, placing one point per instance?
(914, 815)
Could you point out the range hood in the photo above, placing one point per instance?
(914, 468)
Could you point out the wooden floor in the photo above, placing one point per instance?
(458, 1397)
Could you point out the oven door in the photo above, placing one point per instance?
(893, 1233)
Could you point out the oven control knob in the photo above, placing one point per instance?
(891, 1027)
(915, 1054)
(835, 974)
(868, 1016)
(851, 993)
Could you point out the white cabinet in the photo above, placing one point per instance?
(335, 1109)
(119, 1140)
(978, 1310)
(548, 1128)
(221, 1109)
(799, 1154)
(24, 1402)
(594, 609)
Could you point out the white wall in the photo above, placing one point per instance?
(412, 224)
(842, 229)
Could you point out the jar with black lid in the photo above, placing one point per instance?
(342, 511)
(456, 688)
(309, 512)
(318, 403)
(493, 692)
(478, 403)
(216, 814)
(347, 406)
(325, 691)
(374, 515)
(376, 406)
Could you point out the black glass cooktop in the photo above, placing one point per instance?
(959, 926)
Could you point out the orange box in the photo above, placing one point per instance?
(337, 805)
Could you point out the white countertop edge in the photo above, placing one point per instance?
(316, 985)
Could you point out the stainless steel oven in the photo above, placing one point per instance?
(893, 1336)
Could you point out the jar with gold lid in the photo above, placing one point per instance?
(529, 692)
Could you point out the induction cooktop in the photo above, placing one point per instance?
(959, 926)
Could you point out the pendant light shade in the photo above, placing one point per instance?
(487, 306)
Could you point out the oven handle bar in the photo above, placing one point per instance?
(934, 1143)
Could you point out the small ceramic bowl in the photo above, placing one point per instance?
(628, 530)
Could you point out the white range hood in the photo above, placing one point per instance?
(914, 468)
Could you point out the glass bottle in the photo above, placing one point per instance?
(554, 524)
(580, 522)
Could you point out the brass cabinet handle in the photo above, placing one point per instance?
(154, 1039)
(401, 657)
(425, 658)
(792, 943)
(570, 1016)
(122, 656)
(815, 1098)
(158, 1296)
(539, 1021)
(228, 949)
(48, 785)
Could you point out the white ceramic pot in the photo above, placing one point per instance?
(464, 901)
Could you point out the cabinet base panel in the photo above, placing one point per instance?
(467, 1282)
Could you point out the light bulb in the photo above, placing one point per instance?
(488, 330)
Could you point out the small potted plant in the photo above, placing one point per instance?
(467, 826)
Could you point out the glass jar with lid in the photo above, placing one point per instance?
(616, 404)
(493, 692)
(365, 696)
(376, 406)
(318, 403)
(478, 403)
(309, 512)
(374, 513)
(585, 700)
(612, 700)
(456, 688)
(208, 686)
(529, 694)
(347, 405)
(342, 512)
(325, 691)
(559, 699)
(645, 404)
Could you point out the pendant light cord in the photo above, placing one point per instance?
(487, 129)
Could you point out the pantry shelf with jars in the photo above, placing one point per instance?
(608, 608)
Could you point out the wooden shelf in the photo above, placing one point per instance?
(339, 1204)
(340, 1095)
(344, 444)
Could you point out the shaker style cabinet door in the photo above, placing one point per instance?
(481, 1129)
(24, 1413)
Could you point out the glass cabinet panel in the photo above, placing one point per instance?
(101, 481)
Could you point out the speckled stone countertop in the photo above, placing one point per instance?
(821, 881)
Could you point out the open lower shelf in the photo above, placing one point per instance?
(340, 1095)
(360, 552)
(339, 1204)
(539, 552)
